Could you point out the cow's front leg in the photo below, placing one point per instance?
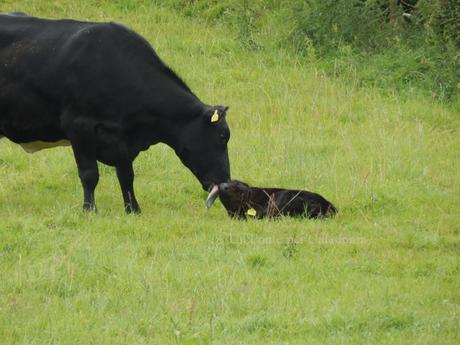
(125, 175)
(84, 150)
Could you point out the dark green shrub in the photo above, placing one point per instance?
(367, 40)
(363, 24)
(446, 21)
(381, 47)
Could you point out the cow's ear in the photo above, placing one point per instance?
(215, 115)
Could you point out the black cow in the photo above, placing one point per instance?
(241, 200)
(102, 89)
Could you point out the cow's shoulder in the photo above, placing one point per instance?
(109, 36)
(110, 31)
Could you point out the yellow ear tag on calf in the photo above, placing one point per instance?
(251, 212)
(215, 117)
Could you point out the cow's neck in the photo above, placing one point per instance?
(176, 120)
(179, 105)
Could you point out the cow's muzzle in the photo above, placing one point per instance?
(212, 196)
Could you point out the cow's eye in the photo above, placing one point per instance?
(224, 138)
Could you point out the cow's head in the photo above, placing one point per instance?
(202, 147)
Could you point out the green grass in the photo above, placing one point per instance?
(384, 271)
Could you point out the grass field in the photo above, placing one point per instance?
(386, 270)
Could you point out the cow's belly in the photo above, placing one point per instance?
(35, 146)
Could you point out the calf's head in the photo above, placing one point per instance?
(234, 195)
(202, 147)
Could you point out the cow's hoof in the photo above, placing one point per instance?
(132, 209)
(88, 207)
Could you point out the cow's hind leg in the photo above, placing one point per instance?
(125, 175)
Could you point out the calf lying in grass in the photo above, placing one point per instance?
(241, 200)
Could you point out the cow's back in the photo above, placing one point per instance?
(54, 73)
(26, 38)
(45, 65)
(29, 84)
(30, 49)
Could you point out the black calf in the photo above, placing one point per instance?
(241, 201)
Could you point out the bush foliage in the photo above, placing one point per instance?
(370, 41)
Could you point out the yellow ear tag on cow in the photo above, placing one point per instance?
(215, 117)
(251, 212)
